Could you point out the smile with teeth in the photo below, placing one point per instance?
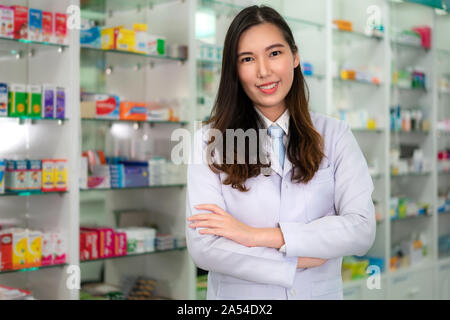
(268, 87)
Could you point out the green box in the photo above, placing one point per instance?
(34, 101)
(17, 100)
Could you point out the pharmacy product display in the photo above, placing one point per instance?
(45, 101)
(20, 22)
(409, 252)
(22, 248)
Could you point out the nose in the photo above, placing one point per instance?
(263, 68)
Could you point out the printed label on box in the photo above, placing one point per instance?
(6, 22)
(3, 99)
(48, 175)
(47, 26)
(48, 101)
(60, 175)
(20, 22)
(35, 25)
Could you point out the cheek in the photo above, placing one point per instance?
(246, 78)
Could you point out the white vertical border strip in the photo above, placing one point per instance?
(387, 139)
(192, 66)
(74, 124)
(328, 56)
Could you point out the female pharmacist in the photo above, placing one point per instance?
(274, 230)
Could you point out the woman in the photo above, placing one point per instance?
(282, 233)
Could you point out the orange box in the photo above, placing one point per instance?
(130, 110)
(343, 25)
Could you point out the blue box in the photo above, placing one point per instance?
(136, 176)
(3, 100)
(2, 176)
(35, 24)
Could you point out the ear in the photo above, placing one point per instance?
(296, 60)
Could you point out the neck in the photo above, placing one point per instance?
(272, 113)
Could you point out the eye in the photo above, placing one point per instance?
(275, 53)
(246, 59)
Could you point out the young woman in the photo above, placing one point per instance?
(279, 234)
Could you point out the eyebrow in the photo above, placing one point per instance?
(276, 45)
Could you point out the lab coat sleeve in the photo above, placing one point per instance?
(352, 230)
(219, 254)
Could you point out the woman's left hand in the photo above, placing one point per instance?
(221, 223)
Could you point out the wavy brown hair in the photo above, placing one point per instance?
(233, 109)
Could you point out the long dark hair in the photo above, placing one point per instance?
(233, 109)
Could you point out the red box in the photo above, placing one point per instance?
(6, 251)
(105, 241)
(88, 245)
(20, 22)
(47, 26)
(61, 28)
(425, 35)
(120, 244)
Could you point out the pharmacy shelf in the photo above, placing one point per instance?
(34, 120)
(30, 193)
(179, 185)
(182, 123)
(134, 54)
(136, 255)
(33, 268)
(350, 35)
(411, 174)
(16, 49)
(345, 81)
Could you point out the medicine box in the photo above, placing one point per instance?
(60, 174)
(126, 40)
(34, 104)
(48, 175)
(2, 175)
(6, 22)
(47, 249)
(61, 28)
(16, 175)
(17, 100)
(20, 22)
(34, 174)
(5, 250)
(109, 38)
(47, 26)
(130, 110)
(59, 244)
(35, 24)
(60, 108)
(34, 250)
(19, 248)
(3, 99)
(120, 244)
(48, 101)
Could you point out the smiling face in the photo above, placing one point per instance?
(265, 67)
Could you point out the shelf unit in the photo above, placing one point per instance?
(145, 77)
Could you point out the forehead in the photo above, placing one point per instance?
(260, 36)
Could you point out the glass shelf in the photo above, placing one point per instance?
(364, 130)
(136, 255)
(340, 80)
(356, 35)
(410, 132)
(411, 174)
(411, 89)
(183, 123)
(34, 268)
(406, 45)
(16, 48)
(29, 193)
(411, 217)
(33, 120)
(221, 7)
(133, 54)
(179, 185)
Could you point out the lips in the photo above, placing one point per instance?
(269, 88)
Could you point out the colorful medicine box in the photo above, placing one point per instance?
(61, 28)
(109, 38)
(34, 174)
(126, 40)
(19, 248)
(60, 109)
(48, 175)
(133, 111)
(47, 26)
(59, 245)
(3, 99)
(17, 100)
(34, 250)
(120, 244)
(48, 101)
(35, 24)
(34, 104)
(16, 175)
(6, 22)
(20, 22)
(5, 250)
(106, 106)
(2, 175)
(47, 249)
(60, 175)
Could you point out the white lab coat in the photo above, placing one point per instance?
(329, 217)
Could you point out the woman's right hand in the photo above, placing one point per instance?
(305, 262)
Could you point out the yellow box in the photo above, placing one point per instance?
(60, 175)
(109, 37)
(48, 175)
(126, 40)
(20, 248)
(34, 252)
